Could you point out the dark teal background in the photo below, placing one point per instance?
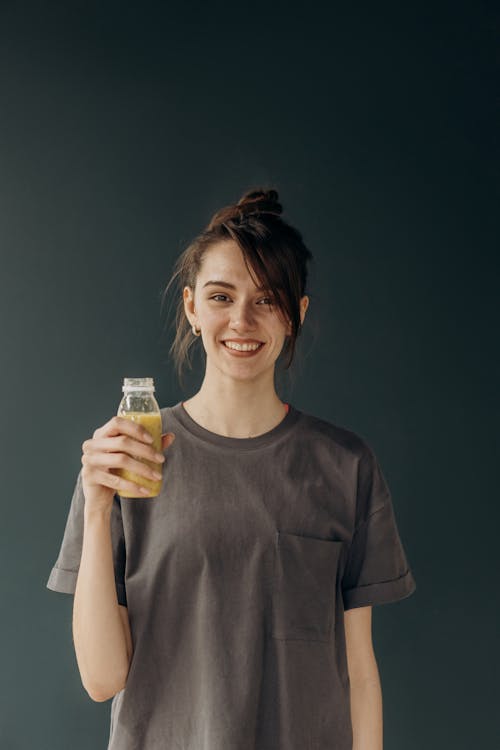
(123, 127)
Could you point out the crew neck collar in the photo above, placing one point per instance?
(223, 441)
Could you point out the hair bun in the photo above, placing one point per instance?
(260, 202)
(252, 203)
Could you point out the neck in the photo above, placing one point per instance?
(234, 412)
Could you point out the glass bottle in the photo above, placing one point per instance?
(139, 405)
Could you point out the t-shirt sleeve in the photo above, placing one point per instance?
(64, 573)
(376, 570)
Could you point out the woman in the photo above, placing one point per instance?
(233, 611)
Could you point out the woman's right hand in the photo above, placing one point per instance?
(113, 446)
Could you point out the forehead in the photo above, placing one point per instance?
(224, 261)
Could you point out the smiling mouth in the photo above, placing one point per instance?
(247, 352)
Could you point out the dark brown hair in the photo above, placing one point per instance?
(273, 249)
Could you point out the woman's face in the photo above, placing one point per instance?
(235, 309)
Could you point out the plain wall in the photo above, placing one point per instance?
(123, 127)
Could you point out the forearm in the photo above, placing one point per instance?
(366, 715)
(98, 635)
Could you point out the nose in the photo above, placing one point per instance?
(242, 317)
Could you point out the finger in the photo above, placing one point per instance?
(122, 426)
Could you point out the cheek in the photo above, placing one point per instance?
(212, 317)
(277, 328)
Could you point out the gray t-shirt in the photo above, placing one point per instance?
(237, 577)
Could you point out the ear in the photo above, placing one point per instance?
(189, 308)
(304, 304)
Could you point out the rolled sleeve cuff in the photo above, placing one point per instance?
(380, 593)
(64, 581)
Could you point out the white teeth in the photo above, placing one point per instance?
(241, 347)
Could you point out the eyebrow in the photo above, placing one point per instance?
(227, 285)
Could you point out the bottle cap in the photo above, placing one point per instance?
(138, 384)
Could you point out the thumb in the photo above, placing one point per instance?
(167, 439)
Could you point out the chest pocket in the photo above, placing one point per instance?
(304, 586)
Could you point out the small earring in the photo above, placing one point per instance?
(195, 331)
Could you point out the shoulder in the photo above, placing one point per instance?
(330, 433)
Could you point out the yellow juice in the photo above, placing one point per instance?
(152, 423)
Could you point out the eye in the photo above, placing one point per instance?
(267, 300)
